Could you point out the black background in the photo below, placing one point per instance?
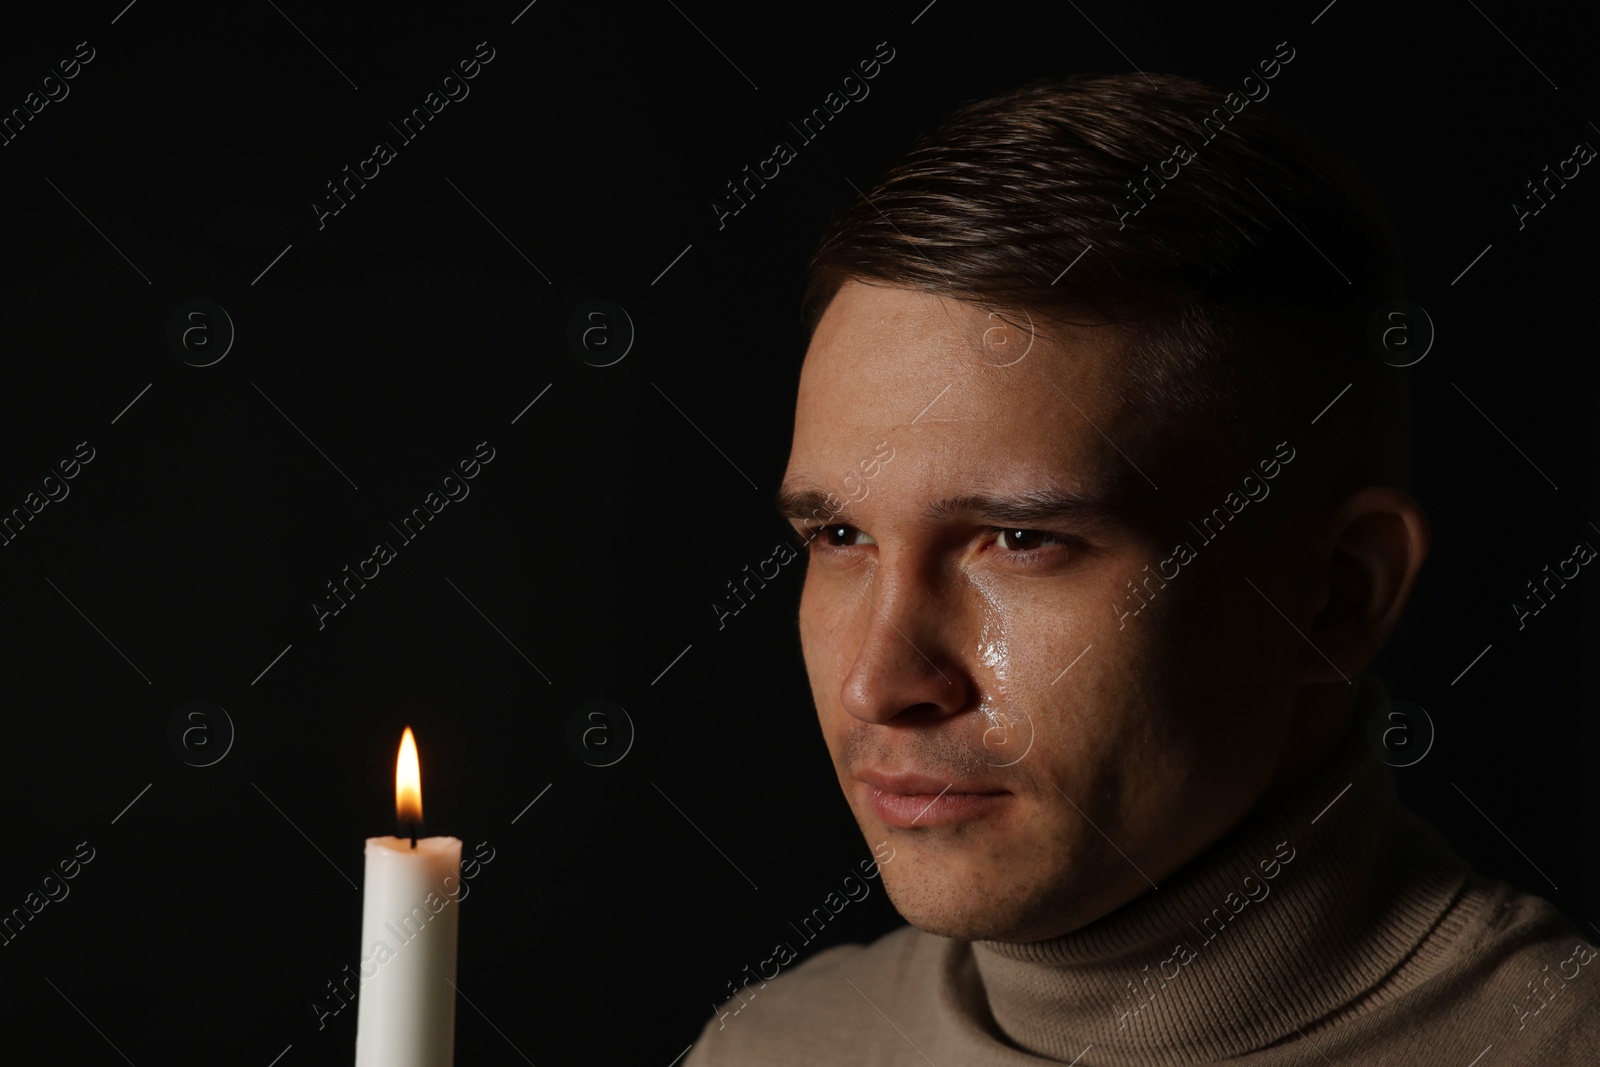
(408, 330)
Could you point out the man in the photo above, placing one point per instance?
(1100, 543)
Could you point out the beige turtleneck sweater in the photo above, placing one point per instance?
(1334, 928)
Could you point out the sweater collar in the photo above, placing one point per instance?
(1297, 913)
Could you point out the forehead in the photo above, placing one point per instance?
(978, 400)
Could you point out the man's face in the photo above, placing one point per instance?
(959, 627)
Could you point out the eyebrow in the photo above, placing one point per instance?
(1020, 510)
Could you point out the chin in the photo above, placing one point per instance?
(977, 898)
(958, 903)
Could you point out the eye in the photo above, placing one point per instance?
(1038, 550)
(834, 535)
(1014, 540)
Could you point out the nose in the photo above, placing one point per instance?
(904, 666)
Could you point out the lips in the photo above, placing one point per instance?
(911, 784)
(909, 800)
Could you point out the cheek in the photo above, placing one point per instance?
(829, 617)
(821, 644)
(1029, 633)
(810, 619)
(1106, 737)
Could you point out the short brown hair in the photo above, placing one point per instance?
(1243, 284)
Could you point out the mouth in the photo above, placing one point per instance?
(913, 800)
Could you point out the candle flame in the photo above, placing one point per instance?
(408, 782)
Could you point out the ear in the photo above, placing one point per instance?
(1370, 552)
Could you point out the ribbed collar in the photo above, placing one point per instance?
(1366, 883)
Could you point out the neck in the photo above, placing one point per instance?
(1325, 716)
(1217, 962)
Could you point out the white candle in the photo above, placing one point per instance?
(409, 906)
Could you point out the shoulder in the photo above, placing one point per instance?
(1503, 969)
(1539, 973)
(815, 1011)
